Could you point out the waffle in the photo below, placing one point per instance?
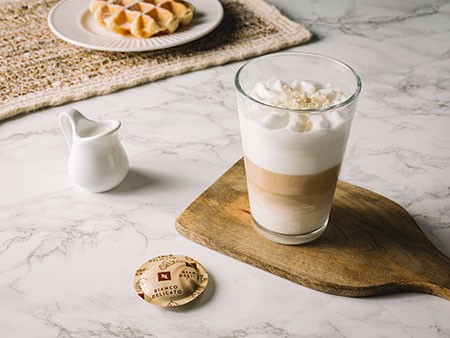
(142, 18)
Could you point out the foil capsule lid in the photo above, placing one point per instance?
(170, 280)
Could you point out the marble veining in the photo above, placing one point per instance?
(67, 257)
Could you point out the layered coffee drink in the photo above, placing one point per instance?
(292, 160)
(294, 134)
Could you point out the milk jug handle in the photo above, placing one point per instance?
(68, 121)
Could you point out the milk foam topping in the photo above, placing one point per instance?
(291, 142)
(298, 95)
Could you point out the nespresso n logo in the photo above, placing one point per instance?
(163, 276)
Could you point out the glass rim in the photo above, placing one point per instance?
(342, 104)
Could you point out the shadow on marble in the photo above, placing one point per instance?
(397, 296)
(391, 297)
(140, 180)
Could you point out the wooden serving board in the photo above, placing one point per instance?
(371, 246)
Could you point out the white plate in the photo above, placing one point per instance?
(71, 21)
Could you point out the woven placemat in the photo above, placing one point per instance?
(37, 69)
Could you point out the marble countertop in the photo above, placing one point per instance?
(68, 257)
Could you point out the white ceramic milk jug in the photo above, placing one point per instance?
(97, 160)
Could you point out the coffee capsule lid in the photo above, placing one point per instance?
(170, 280)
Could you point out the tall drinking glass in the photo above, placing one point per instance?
(294, 133)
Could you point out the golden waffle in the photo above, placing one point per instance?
(142, 18)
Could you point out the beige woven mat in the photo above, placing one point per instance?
(37, 69)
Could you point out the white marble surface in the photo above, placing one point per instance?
(67, 257)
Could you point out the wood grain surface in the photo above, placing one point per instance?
(372, 246)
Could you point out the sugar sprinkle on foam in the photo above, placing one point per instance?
(298, 95)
